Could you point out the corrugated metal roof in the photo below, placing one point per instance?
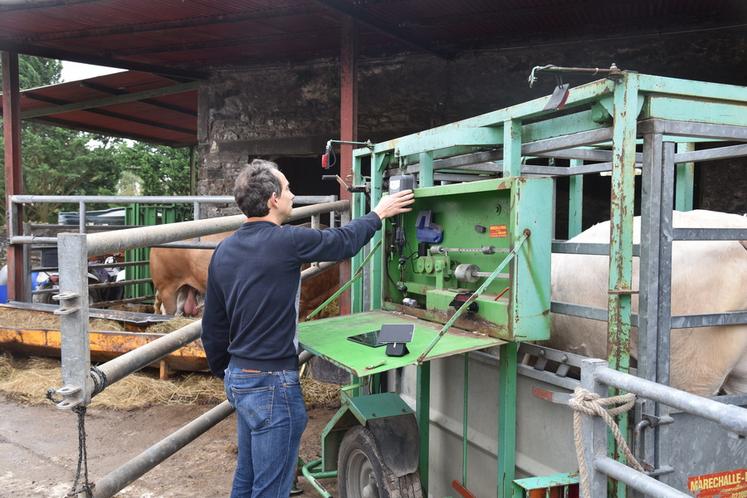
(164, 118)
(185, 38)
(191, 35)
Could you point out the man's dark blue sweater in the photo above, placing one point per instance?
(254, 280)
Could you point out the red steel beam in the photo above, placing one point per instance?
(13, 171)
(348, 124)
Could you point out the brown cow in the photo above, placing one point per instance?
(180, 279)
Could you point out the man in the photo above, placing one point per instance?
(250, 316)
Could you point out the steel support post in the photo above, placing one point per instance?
(594, 430)
(664, 318)
(648, 279)
(13, 171)
(622, 202)
(685, 180)
(81, 217)
(507, 370)
(73, 313)
(348, 124)
(575, 201)
(122, 476)
(423, 414)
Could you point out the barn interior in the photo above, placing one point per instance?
(277, 80)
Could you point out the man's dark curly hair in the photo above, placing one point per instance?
(254, 187)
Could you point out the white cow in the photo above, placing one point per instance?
(707, 277)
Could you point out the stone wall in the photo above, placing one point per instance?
(287, 112)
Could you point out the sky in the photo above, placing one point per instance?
(73, 71)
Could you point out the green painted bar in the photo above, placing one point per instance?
(507, 365)
(577, 97)
(378, 162)
(357, 210)
(575, 201)
(464, 188)
(465, 420)
(690, 88)
(685, 181)
(425, 177)
(682, 109)
(621, 242)
(562, 125)
(511, 148)
(423, 414)
(449, 137)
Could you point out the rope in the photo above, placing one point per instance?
(86, 486)
(588, 403)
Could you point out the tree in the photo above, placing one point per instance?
(162, 170)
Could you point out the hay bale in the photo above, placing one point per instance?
(170, 326)
(10, 317)
(319, 394)
(27, 381)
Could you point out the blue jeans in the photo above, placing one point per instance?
(271, 417)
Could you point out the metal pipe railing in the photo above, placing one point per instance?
(730, 417)
(109, 242)
(150, 199)
(137, 359)
(122, 476)
(636, 480)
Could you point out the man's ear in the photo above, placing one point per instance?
(272, 201)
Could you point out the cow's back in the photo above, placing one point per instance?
(707, 277)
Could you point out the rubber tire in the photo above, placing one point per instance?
(388, 484)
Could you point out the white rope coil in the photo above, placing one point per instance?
(588, 403)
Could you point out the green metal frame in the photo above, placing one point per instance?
(147, 215)
(603, 113)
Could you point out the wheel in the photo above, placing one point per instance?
(45, 298)
(361, 472)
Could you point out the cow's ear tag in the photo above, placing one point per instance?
(558, 98)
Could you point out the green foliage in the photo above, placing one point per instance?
(162, 170)
(59, 161)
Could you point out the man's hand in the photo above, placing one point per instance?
(394, 204)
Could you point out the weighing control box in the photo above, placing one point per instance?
(453, 239)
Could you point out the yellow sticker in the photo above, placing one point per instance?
(498, 231)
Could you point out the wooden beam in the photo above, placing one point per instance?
(38, 4)
(149, 27)
(107, 101)
(348, 125)
(155, 103)
(74, 125)
(187, 44)
(115, 115)
(365, 19)
(98, 59)
(13, 172)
